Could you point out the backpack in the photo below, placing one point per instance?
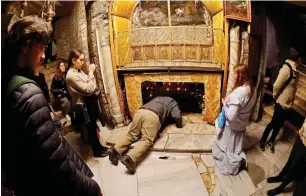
(15, 82)
(291, 74)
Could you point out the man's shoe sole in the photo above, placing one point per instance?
(111, 158)
(131, 170)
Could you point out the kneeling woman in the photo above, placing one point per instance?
(79, 84)
(228, 147)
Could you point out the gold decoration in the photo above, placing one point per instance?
(214, 7)
(191, 52)
(123, 40)
(184, 51)
(205, 54)
(177, 52)
(137, 54)
(124, 9)
(163, 53)
(212, 82)
(150, 53)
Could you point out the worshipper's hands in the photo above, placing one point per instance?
(179, 122)
(91, 67)
(224, 101)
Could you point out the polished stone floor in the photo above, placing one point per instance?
(189, 168)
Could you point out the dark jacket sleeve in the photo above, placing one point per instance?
(176, 115)
(52, 150)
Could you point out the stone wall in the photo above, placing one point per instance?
(62, 36)
(78, 29)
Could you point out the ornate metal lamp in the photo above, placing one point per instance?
(48, 11)
(23, 5)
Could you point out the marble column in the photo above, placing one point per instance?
(234, 55)
(244, 56)
(104, 53)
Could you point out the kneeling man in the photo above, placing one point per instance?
(144, 129)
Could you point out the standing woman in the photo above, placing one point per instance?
(228, 147)
(79, 85)
(59, 89)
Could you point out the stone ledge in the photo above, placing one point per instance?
(193, 137)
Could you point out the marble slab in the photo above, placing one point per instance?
(187, 129)
(250, 141)
(204, 128)
(192, 128)
(178, 177)
(194, 137)
(193, 117)
(208, 159)
(115, 179)
(231, 185)
(258, 193)
(272, 157)
(255, 156)
(283, 145)
(190, 143)
(161, 141)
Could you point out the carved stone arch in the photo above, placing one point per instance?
(125, 9)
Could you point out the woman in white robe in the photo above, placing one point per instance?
(228, 146)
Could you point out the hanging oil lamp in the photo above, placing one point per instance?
(49, 11)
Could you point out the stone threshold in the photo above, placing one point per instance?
(193, 137)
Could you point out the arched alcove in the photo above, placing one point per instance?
(172, 31)
(185, 36)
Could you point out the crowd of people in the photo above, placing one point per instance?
(37, 160)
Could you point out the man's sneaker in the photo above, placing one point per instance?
(113, 155)
(129, 164)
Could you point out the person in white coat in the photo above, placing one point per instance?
(228, 146)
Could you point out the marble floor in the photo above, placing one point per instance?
(189, 173)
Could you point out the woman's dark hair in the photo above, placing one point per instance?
(294, 54)
(75, 54)
(58, 71)
(59, 64)
(28, 30)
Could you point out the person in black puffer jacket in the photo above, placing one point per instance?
(36, 159)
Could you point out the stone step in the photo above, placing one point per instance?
(193, 137)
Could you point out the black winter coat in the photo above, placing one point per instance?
(59, 88)
(36, 159)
